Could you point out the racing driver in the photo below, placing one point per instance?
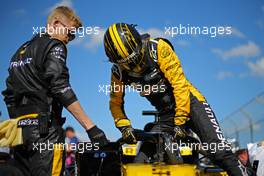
(153, 66)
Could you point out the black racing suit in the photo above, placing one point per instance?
(178, 102)
(38, 83)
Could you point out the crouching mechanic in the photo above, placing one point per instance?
(153, 65)
(37, 90)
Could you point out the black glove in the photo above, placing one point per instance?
(128, 134)
(96, 135)
(179, 131)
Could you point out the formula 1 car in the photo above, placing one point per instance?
(156, 153)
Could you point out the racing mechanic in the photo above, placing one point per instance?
(37, 90)
(140, 61)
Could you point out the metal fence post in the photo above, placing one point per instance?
(248, 116)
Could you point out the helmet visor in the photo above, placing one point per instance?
(134, 62)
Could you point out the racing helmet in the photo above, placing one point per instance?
(123, 46)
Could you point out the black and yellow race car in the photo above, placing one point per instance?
(155, 154)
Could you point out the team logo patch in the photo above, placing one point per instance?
(165, 52)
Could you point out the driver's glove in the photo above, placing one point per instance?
(128, 134)
(179, 131)
(180, 127)
(96, 135)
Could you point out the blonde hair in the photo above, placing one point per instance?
(64, 11)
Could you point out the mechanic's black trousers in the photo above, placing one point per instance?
(41, 155)
(204, 123)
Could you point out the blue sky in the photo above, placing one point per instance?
(227, 69)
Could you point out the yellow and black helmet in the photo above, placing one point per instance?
(123, 45)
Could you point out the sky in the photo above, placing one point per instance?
(228, 68)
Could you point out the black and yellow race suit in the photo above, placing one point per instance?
(165, 86)
(169, 90)
(38, 83)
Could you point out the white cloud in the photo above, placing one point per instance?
(77, 40)
(260, 24)
(182, 43)
(237, 33)
(67, 3)
(257, 68)
(19, 12)
(246, 51)
(95, 40)
(224, 74)
(154, 32)
(91, 42)
(243, 75)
